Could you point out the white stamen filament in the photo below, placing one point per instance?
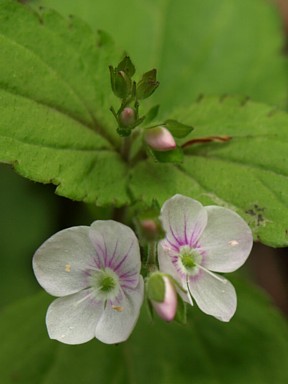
(189, 292)
(86, 297)
(222, 279)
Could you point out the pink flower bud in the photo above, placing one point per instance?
(127, 117)
(167, 308)
(149, 226)
(160, 139)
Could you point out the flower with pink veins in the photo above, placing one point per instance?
(95, 272)
(200, 241)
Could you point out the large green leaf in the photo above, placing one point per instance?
(252, 348)
(223, 46)
(54, 104)
(52, 133)
(248, 174)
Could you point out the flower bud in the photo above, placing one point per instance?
(120, 82)
(159, 139)
(149, 226)
(147, 85)
(127, 117)
(168, 307)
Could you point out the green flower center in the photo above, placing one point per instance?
(190, 260)
(107, 284)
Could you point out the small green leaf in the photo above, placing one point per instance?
(151, 114)
(174, 156)
(178, 129)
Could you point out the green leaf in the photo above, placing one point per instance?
(252, 348)
(178, 129)
(151, 114)
(197, 46)
(248, 173)
(173, 156)
(54, 102)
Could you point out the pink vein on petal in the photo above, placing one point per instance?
(185, 229)
(173, 234)
(110, 264)
(175, 248)
(116, 267)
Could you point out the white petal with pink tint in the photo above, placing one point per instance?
(227, 240)
(214, 295)
(183, 219)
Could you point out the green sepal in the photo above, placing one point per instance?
(147, 85)
(150, 310)
(123, 131)
(175, 156)
(178, 129)
(127, 66)
(156, 287)
(151, 114)
(181, 313)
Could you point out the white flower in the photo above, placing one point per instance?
(96, 272)
(200, 240)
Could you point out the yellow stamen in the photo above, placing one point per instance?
(117, 308)
(233, 243)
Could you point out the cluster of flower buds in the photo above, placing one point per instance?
(130, 92)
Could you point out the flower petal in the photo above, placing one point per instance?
(116, 326)
(184, 220)
(60, 263)
(165, 256)
(117, 248)
(214, 295)
(72, 319)
(227, 240)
